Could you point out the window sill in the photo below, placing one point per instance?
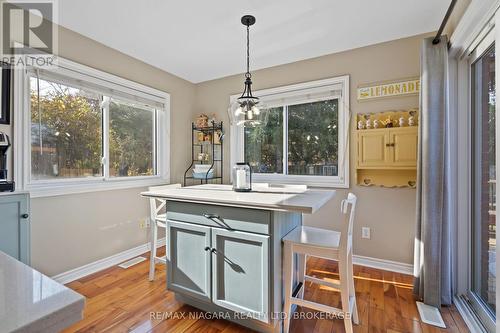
(88, 186)
(311, 181)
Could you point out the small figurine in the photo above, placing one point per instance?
(411, 121)
(361, 125)
(388, 122)
(402, 122)
(368, 123)
(376, 123)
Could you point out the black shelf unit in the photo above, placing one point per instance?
(216, 164)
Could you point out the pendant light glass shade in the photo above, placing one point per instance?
(249, 114)
(245, 110)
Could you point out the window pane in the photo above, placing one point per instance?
(264, 144)
(313, 138)
(131, 140)
(484, 186)
(66, 134)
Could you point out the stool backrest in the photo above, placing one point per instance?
(157, 205)
(346, 235)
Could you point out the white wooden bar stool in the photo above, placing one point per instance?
(328, 244)
(158, 219)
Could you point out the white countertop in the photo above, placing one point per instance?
(32, 302)
(12, 193)
(295, 200)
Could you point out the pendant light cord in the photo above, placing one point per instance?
(248, 52)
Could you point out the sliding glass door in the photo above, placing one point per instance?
(482, 292)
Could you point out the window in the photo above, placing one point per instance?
(66, 131)
(86, 130)
(132, 139)
(303, 138)
(483, 283)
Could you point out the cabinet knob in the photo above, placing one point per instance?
(214, 251)
(25, 216)
(207, 248)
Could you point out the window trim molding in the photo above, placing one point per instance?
(341, 181)
(22, 135)
(480, 18)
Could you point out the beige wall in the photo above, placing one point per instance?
(74, 230)
(390, 213)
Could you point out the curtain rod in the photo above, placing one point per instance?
(437, 39)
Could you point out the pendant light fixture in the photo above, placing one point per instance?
(247, 110)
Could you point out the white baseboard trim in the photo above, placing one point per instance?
(99, 265)
(386, 265)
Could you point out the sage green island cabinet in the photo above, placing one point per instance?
(225, 248)
(15, 226)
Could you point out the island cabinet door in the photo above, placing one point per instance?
(189, 260)
(241, 272)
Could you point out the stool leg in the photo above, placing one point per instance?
(302, 258)
(344, 293)
(352, 291)
(152, 259)
(288, 280)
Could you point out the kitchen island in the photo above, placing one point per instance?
(224, 248)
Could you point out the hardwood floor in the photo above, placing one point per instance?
(123, 300)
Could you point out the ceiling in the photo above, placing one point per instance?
(203, 40)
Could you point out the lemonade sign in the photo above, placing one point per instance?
(399, 88)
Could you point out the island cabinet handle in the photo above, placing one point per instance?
(212, 216)
(218, 219)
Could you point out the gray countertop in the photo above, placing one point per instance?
(32, 302)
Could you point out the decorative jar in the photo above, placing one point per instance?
(242, 177)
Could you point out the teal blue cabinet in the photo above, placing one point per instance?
(15, 226)
(241, 272)
(189, 259)
(227, 259)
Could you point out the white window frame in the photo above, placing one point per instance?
(480, 18)
(22, 131)
(336, 83)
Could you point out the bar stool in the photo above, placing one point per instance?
(158, 219)
(328, 244)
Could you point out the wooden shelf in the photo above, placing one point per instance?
(387, 157)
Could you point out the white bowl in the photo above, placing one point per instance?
(202, 167)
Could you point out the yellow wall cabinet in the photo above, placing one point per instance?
(387, 157)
